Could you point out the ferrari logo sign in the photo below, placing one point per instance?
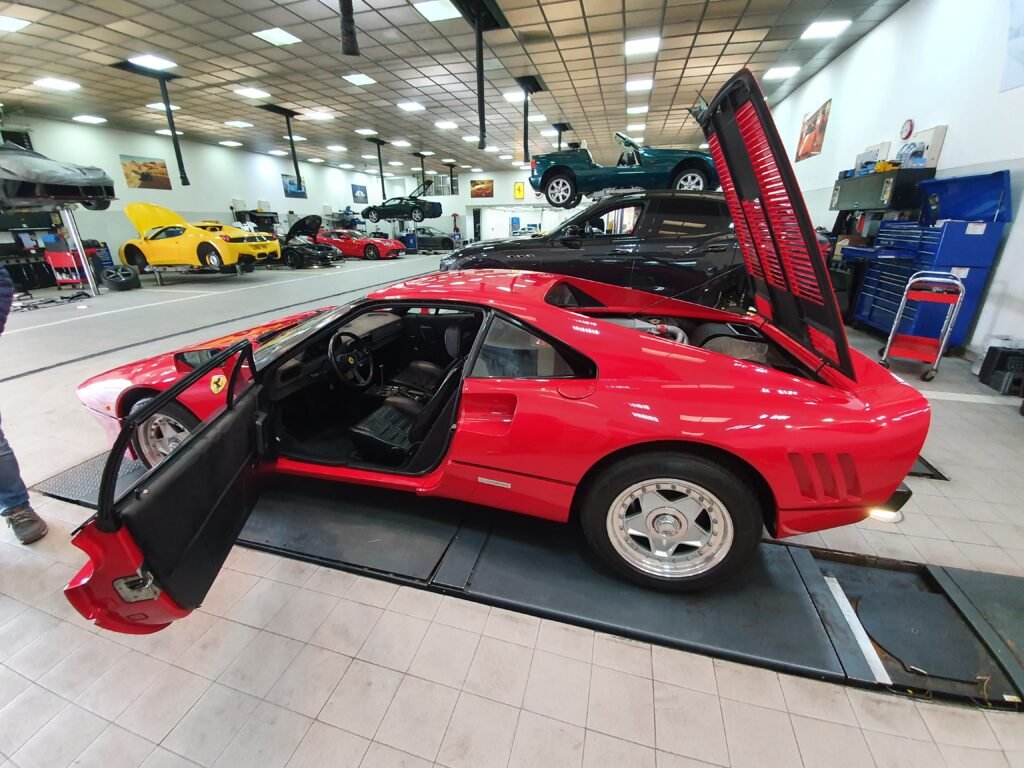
(519, 190)
(217, 383)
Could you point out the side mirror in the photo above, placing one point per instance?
(571, 232)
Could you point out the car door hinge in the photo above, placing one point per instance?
(137, 587)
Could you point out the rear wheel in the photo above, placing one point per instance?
(294, 259)
(159, 435)
(210, 257)
(96, 205)
(560, 190)
(672, 521)
(690, 180)
(371, 252)
(136, 258)
(373, 215)
(417, 214)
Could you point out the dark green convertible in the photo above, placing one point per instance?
(564, 177)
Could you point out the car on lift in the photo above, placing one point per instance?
(359, 245)
(29, 180)
(431, 239)
(411, 206)
(301, 249)
(672, 432)
(564, 177)
(167, 240)
(672, 243)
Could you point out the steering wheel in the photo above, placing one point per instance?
(353, 365)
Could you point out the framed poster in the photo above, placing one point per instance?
(291, 186)
(145, 172)
(481, 187)
(812, 132)
(519, 190)
(359, 196)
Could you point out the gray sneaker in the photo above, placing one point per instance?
(27, 525)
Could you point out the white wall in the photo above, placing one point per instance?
(938, 62)
(217, 174)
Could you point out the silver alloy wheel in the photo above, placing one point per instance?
(560, 191)
(690, 181)
(670, 528)
(117, 274)
(213, 260)
(158, 437)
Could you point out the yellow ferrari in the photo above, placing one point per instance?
(167, 240)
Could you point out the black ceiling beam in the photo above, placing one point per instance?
(287, 114)
(561, 128)
(380, 164)
(530, 85)
(349, 42)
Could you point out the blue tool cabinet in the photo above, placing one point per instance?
(960, 229)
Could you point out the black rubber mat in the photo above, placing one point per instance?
(924, 468)
(81, 483)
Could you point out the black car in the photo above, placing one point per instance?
(30, 180)
(430, 239)
(299, 250)
(679, 244)
(404, 208)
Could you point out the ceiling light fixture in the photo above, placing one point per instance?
(410, 106)
(821, 30)
(388, 173)
(447, 159)
(294, 137)
(160, 105)
(366, 131)
(359, 79)
(636, 127)
(238, 124)
(549, 133)
(346, 166)
(445, 125)
(426, 153)
(336, 148)
(537, 118)
(401, 143)
(639, 85)
(252, 93)
(514, 96)
(56, 84)
(471, 138)
(11, 24)
(505, 157)
(643, 45)
(493, 150)
(90, 119)
(431, 173)
(477, 170)
(314, 160)
(277, 152)
(780, 73)
(277, 36)
(395, 162)
(437, 10)
(465, 166)
(230, 143)
(167, 132)
(149, 61)
(368, 157)
(317, 115)
(637, 110)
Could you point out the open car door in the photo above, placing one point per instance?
(792, 289)
(155, 549)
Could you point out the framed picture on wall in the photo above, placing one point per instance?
(812, 132)
(145, 172)
(481, 187)
(359, 196)
(291, 186)
(519, 190)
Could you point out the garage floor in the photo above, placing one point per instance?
(293, 664)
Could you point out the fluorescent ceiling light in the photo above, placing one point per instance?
(504, 157)
(395, 162)
(705, 146)
(346, 166)
(643, 45)
(277, 152)
(336, 148)
(230, 143)
(149, 61)
(410, 106)
(554, 145)
(537, 118)
(368, 157)
(514, 96)
(317, 115)
(549, 132)
(635, 127)
(294, 137)
(167, 132)
(637, 110)
(477, 170)
(780, 73)
(437, 10)
(493, 150)
(160, 105)
(252, 93)
(465, 166)
(401, 143)
(11, 24)
(56, 84)
(447, 159)
(366, 131)
(277, 36)
(238, 124)
(370, 170)
(431, 173)
(359, 79)
(445, 125)
(639, 139)
(639, 85)
(471, 138)
(388, 173)
(314, 160)
(825, 29)
(90, 119)
(426, 152)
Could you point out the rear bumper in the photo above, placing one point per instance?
(793, 522)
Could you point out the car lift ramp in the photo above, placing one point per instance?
(921, 630)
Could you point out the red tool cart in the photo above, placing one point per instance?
(67, 267)
(931, 288)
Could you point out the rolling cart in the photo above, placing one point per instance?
(930, 288)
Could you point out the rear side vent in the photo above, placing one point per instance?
(826, 476)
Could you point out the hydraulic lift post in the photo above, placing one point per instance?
(67, 218)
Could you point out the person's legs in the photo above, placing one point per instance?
(14, 502)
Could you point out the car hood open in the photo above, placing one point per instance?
(307, 226)
(423, 188)
(146, 216)
(792, 289)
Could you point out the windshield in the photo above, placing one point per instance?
(288, 339)
(617, 220)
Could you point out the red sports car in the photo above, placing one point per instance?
(355, 244)
(674, 432)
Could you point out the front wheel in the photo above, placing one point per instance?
(417, 214)
(373, 215)
(690, 180)
(372, 252)
(560, 190)
(672, 521)
(161, 434)
(295, 260)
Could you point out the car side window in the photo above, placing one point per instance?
(168, 232)
(687, 217)
(512, 352)
(620, 221)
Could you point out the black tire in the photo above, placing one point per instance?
(173, 410)
(294, 259)
(928, 375)
(95, 205)
(574, 202)
(881, 351)
(739, 502)
(371, 252)
(248, 266)
(373, 215)
(135, 258)
(416, 214)
(564, 190)
(884, 364)
(690, 179)
(121, 277)
(210, 257)
(448, 245)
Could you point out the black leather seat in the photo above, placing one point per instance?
(392, 432)
(424, 376)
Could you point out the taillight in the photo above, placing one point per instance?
(533, 165)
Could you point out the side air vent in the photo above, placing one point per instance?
(826, 476)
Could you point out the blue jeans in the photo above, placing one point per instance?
(13, 493)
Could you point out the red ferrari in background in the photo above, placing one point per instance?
(674, 432)
(354, 244)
